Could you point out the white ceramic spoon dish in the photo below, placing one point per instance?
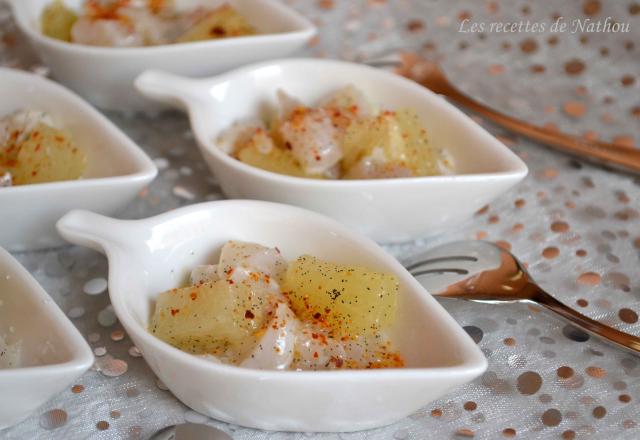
(387, 210)
(149, 256)
(104, 75)
(51, 353)
(117, 169)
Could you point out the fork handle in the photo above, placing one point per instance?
(615, 155)
(621, 339)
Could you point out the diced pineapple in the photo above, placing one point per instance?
(377, 167)
(221, 23)
(382, 132)
(350, 300)
(48, 155)
(57, 21)
(8, 155)
(277, 160)
(218, 318)
(424, 159)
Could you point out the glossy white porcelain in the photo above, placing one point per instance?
(117, 169)
(104, 76)
(387, 210)
(53, 353)
(149, 256)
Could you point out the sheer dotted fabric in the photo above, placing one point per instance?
(575, 225)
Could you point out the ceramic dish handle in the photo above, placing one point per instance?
(166, 87)
(86, 228)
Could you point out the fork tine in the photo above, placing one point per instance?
(391, 59)
(383, 63)
(440, 260)
(439, 271)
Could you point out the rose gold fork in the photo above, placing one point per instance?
(481, 271)
(618, 156)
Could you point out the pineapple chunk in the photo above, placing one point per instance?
(218, 318)
(424, 159)
(376, 167)
(221, 23)
(8, 155)
(48, 155)
(351, 301)
(277, 161)
(57, 21)
(367, 136)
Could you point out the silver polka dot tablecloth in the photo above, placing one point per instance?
(575, 225)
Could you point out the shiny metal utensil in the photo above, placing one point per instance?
(618, 156)
(481, 271)
(190, 431)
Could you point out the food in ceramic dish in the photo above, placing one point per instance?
(134, 23)
(256, 310)
(9, 353)
(34, 150)
(343, 137)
